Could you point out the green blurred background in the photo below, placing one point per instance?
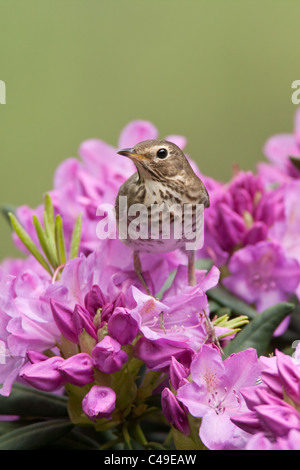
(217, 71)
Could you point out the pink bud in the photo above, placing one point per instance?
(35, 356)
(289, 375)
(99, 402)
(173, 412)
(177, 373)
(94, 299)
(108, 355)
(44, 375)
(78, 369)
(63, 318)
(106, 312)
(122, 326)
(82, 321)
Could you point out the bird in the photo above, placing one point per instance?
(164, 184)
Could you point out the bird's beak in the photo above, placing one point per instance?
(131, 154)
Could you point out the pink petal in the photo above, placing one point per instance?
(135, 132)
(207, 368)
(217, 432)
(178, 140)
(279, 147)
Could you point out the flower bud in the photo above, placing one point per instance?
(45, 374)
(122, 326)
(78, 369)
(173, 412)
(82, 321)
(99, 402)
(63, 318)
(94, 300)
(108, 356)
(289, 375)
(35, 356)
(177, 373)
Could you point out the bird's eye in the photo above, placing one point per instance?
(162, 153)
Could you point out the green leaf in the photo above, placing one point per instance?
(74, 440)
(225, 298)
(8, 426)
(49, 211)
(28, 242)
(183, 442)
(76, 235)
(258, 333)
(45, 243)
(214, 307)
(35, 436)
(60, 240)
(133, 445)
(26, 401)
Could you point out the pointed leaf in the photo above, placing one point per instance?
(258, 333)
(74, 440)
(28, 242)
(49, 211)
(45, 243)
(225, 298)
(8, 426)
(60, 240)
(35, 436)
(76, 235)
(26, 401)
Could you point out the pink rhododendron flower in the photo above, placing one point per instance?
(214, 394)
(278, 149)
(26, 322)
(262, 274)
(240, 214)
(176, 321)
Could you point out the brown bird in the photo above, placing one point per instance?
(163, 184)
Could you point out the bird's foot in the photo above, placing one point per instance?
(211, 333)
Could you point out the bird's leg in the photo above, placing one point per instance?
(211, 333)
(138, 269)
(191, 267)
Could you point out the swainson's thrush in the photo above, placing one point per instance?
(165, 178)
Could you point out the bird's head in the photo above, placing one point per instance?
(157, 158)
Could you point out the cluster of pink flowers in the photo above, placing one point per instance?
(253, 226)
(93, 327)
